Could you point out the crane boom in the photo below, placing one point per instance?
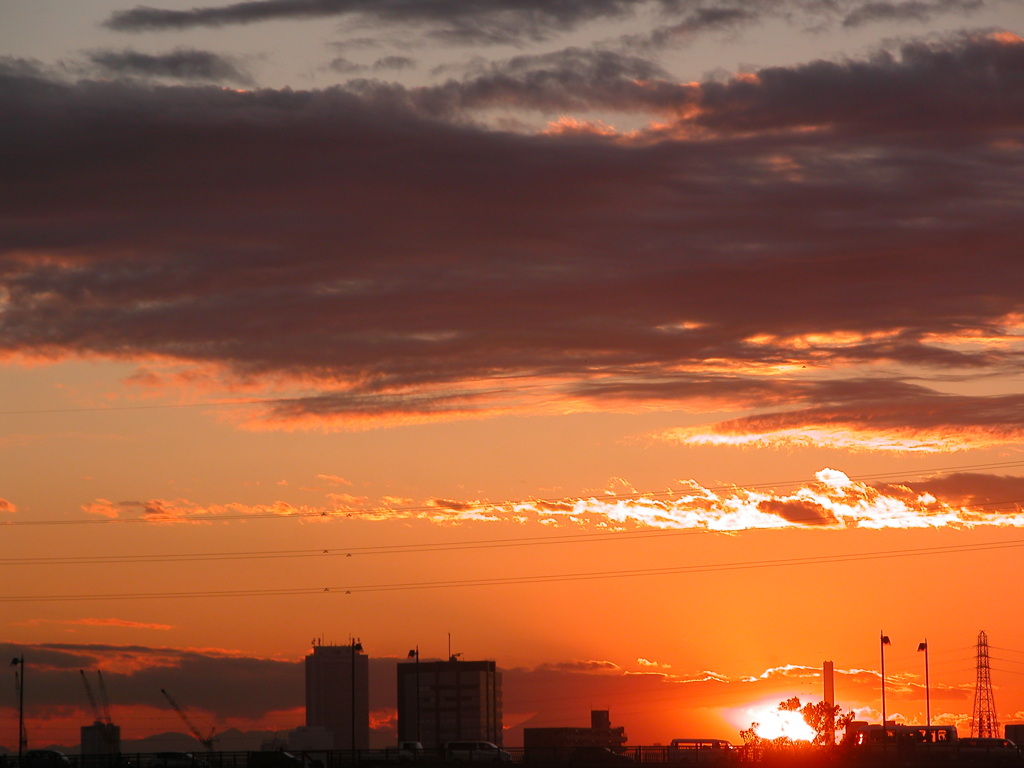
(104, 700)
(207, 741)
(92, 698)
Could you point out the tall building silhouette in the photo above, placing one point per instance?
(100, 738)
(452, 700)
(338, 693)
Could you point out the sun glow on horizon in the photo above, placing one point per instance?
(773, 723)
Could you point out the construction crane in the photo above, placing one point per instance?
(105, 701)
(103, 721)
(206, 741)
(92, 699)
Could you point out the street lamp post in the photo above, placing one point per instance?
(883, 640)
(415, 653)
(19, 661)
(357, 647)
(927, 687)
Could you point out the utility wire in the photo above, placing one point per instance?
(350, 551)
(394, 549)
(524, 579)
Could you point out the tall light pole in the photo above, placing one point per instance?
(927, 688)
(19, 661)
(356, 647)
(883, 640)
(415, 653)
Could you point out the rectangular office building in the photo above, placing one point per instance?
(338, 694)
(440, 701)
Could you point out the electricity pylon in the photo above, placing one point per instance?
(984, 722)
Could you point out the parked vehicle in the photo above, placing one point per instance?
(45, 758)
(602, 756)
(273, 758)
(176, 760)
(986, 751)
(410, 751)
(475, 752)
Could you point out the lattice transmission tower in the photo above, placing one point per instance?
(984, 723)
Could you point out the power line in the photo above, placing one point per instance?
(393, 549)
(350, 551)
(524, 579)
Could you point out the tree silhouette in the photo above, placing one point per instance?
(823, 717)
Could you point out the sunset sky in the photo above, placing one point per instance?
(658, 350)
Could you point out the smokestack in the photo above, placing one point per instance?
(829, 682)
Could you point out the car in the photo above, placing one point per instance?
(409, 751)
(987, 751)
(45, 758)
(175, 760)
(584, 756)
(475, 752)
(273, 758)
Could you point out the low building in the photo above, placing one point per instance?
(560, 743)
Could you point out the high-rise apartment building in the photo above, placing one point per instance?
(338, 693)
(452, 700)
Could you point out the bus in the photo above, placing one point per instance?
(928, 742)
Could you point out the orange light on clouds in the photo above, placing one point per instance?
(820, 436)
(833, 500)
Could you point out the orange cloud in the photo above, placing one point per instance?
(831, 500)
(183, 510)
(334, 479)
(95, 622)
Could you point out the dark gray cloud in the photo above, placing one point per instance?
(700, 21)
(512, 21)
(226, 683)
(184, 64)
(394, 63)
(346, 66)
(375, 241)
(570, 79)
(879, 409)
(476, 19)
(246, 687)
(909, 89)
(912, 10)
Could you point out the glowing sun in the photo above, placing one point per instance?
(773, 723)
